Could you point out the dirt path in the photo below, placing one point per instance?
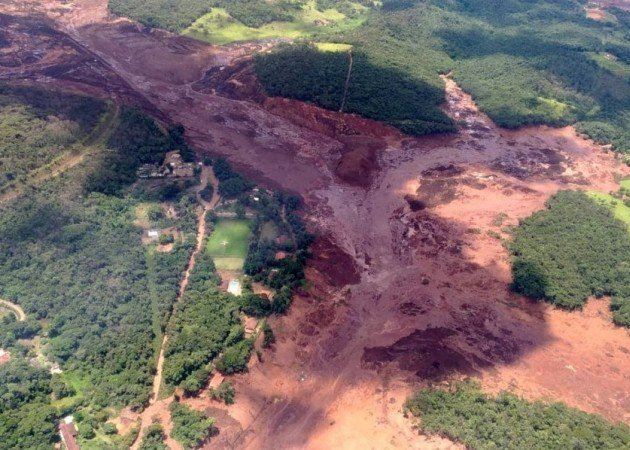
(17, 310)
(347, 82)
(207, 176)
(159, 407)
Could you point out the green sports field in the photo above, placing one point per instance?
(228, 243)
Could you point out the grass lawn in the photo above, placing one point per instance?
(228, 243)
(332, 47)
(621, 211)
(78, 384)
(218, 27)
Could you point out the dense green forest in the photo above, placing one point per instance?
(376, 89)
(467, 415)
(71, 255)
(37, 126)
(573, 249)
(27, 419)
(524, 62)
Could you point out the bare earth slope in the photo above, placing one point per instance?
(406, 285)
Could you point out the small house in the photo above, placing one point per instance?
(153, 234)
(216, 380)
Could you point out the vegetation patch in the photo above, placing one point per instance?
(377, 91)
(574, 249)
(37, 126)
(190, 428)
(465, 414)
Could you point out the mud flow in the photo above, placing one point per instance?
(408, 283)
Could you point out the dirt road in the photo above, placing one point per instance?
(158, 408)
(17, 310)
(409, 283)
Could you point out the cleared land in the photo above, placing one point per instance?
(219, 27)
(228, 243)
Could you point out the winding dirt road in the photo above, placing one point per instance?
(17, 310)
(409, 282)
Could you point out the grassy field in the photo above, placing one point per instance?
(332, 47)
(218, 27)
(619, 209)
(612, 64)
(228, 243)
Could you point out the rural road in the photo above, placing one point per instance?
(155, 404)
(15, 309)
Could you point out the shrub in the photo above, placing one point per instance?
(191, 428)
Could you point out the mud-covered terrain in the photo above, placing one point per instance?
(409, 279)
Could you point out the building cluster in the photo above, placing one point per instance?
(173, 166)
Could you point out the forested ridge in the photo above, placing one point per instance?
(524, 62)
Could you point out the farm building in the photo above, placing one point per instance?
(216, 380)
(68, 432)
(251, 324)
(173, 166)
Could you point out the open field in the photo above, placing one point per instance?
(218, 27)
(619, 209)
(228, 243)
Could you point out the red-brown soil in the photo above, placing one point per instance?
(406, 287)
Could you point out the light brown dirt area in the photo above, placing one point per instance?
(597, 14)
(406, 288)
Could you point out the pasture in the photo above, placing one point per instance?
(219, 27)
